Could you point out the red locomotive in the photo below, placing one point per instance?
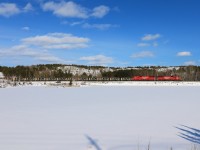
(154, 78)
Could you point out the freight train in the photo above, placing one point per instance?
(154, 78)
(134, 78)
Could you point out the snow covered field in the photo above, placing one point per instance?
(98, 83)
(144, 83)
(120, 117)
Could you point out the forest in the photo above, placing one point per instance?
(52, 72)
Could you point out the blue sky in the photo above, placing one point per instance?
(100, 32)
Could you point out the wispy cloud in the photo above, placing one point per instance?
(184, 53)
(149, 40)
(151, 37)
(76, 23)
(143, 54)
(57, 41)
(25, 51)
(73, 10)
(28, 7)
(143, 45)
(85, 25)
(155, 44)
(188, 63)
(98, 60)
(100, 11)
(8, 9)
(99, 26)
(26, 28)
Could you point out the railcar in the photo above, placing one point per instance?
(156, 78)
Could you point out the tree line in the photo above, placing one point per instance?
(34, 72)
(186, 73)
(51, 72)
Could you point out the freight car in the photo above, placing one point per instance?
(168, 78)
(144, 78)
(156, 78)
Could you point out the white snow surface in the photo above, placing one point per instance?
(120, 117)
(143, 83)
(100, 83)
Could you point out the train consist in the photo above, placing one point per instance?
(158, 78)
(134, 78)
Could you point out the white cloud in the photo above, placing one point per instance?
(143, 44)
(45, 57)
(85, 25)
(57, 41)
(66, 46)
(28, 7)
(11, 9)
(76, 23)
(25, 51)
(151, 37)
(37, 47)
(66, 9)
(25, 28)
(99, 26)
(188, 63)
(100, 11)
(72, 10)
(98, 60)
(8, 9)
(143, 54)
(185, 53)
(155, 44)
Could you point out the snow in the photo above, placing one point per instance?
(98, 83)
(144, 83)
(119, 117)
(1, 75)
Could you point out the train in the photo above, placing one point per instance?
(156, 78)
(134, 78)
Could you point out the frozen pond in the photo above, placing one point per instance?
(121, 118)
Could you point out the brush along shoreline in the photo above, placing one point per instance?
(5, 84)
